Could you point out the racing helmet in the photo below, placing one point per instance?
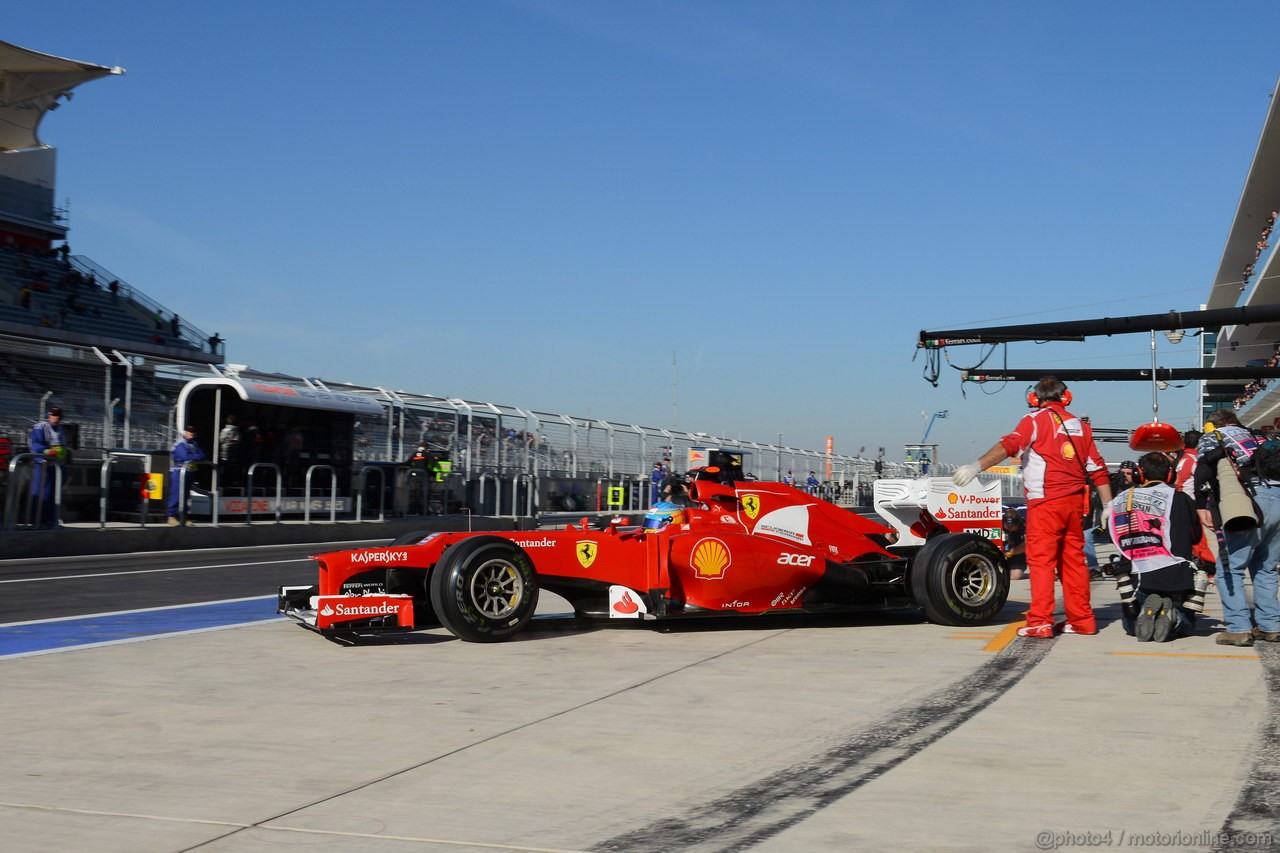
(661, 514)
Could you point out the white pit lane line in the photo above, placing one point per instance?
(155, 571)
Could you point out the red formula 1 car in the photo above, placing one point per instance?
(744, 548)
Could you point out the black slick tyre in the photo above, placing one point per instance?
(484, 589)
(959, 579)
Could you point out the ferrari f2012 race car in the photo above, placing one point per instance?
(738, 548)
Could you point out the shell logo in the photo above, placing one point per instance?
(710, 559)
(1068, 451)
(952, 498)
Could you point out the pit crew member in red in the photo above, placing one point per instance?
(1059, 460)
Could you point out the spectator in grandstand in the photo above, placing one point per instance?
(214, 343)
(158, 319)
(655, 482)
(811, 483)
(175, 326)
(186, 453)
(48, 441)
(789, 479)
(114, 288)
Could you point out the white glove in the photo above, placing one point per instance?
(965, 474)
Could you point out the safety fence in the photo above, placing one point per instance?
(120, 409)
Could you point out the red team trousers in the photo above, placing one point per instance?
(1055, 547)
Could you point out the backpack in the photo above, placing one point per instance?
(1266, 459)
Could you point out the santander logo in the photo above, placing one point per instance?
(626, 605)
(381, 608)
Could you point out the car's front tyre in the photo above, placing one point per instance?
(484, 589)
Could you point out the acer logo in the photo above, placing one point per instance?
(795, 560)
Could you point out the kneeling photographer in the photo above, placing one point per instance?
(1155, 528)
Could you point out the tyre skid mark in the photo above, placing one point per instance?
(1254, 811)
(756, 812)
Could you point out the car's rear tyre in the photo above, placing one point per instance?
(410, 538)
(484, 589)
(959, 579)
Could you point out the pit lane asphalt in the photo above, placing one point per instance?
(863, 732)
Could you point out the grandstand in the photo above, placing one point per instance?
(128, 370)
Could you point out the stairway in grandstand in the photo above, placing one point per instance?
(71, 298)
(47, 349)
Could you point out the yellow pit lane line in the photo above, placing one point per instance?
(1004, 638)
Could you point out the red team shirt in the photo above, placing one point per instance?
(1052, 442)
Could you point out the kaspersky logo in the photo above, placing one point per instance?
(751, 506)
(586, 552)
(379, 556)
(710, 559)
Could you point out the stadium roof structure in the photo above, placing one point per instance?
(1240, 318)
(32, 84)
(1249, 275)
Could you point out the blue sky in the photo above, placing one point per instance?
(543, 203)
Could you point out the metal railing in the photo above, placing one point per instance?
(35, 501)
(248, 497)
(333, 493)
(104, 483)
(185, 471)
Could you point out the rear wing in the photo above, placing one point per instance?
(919, 508)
